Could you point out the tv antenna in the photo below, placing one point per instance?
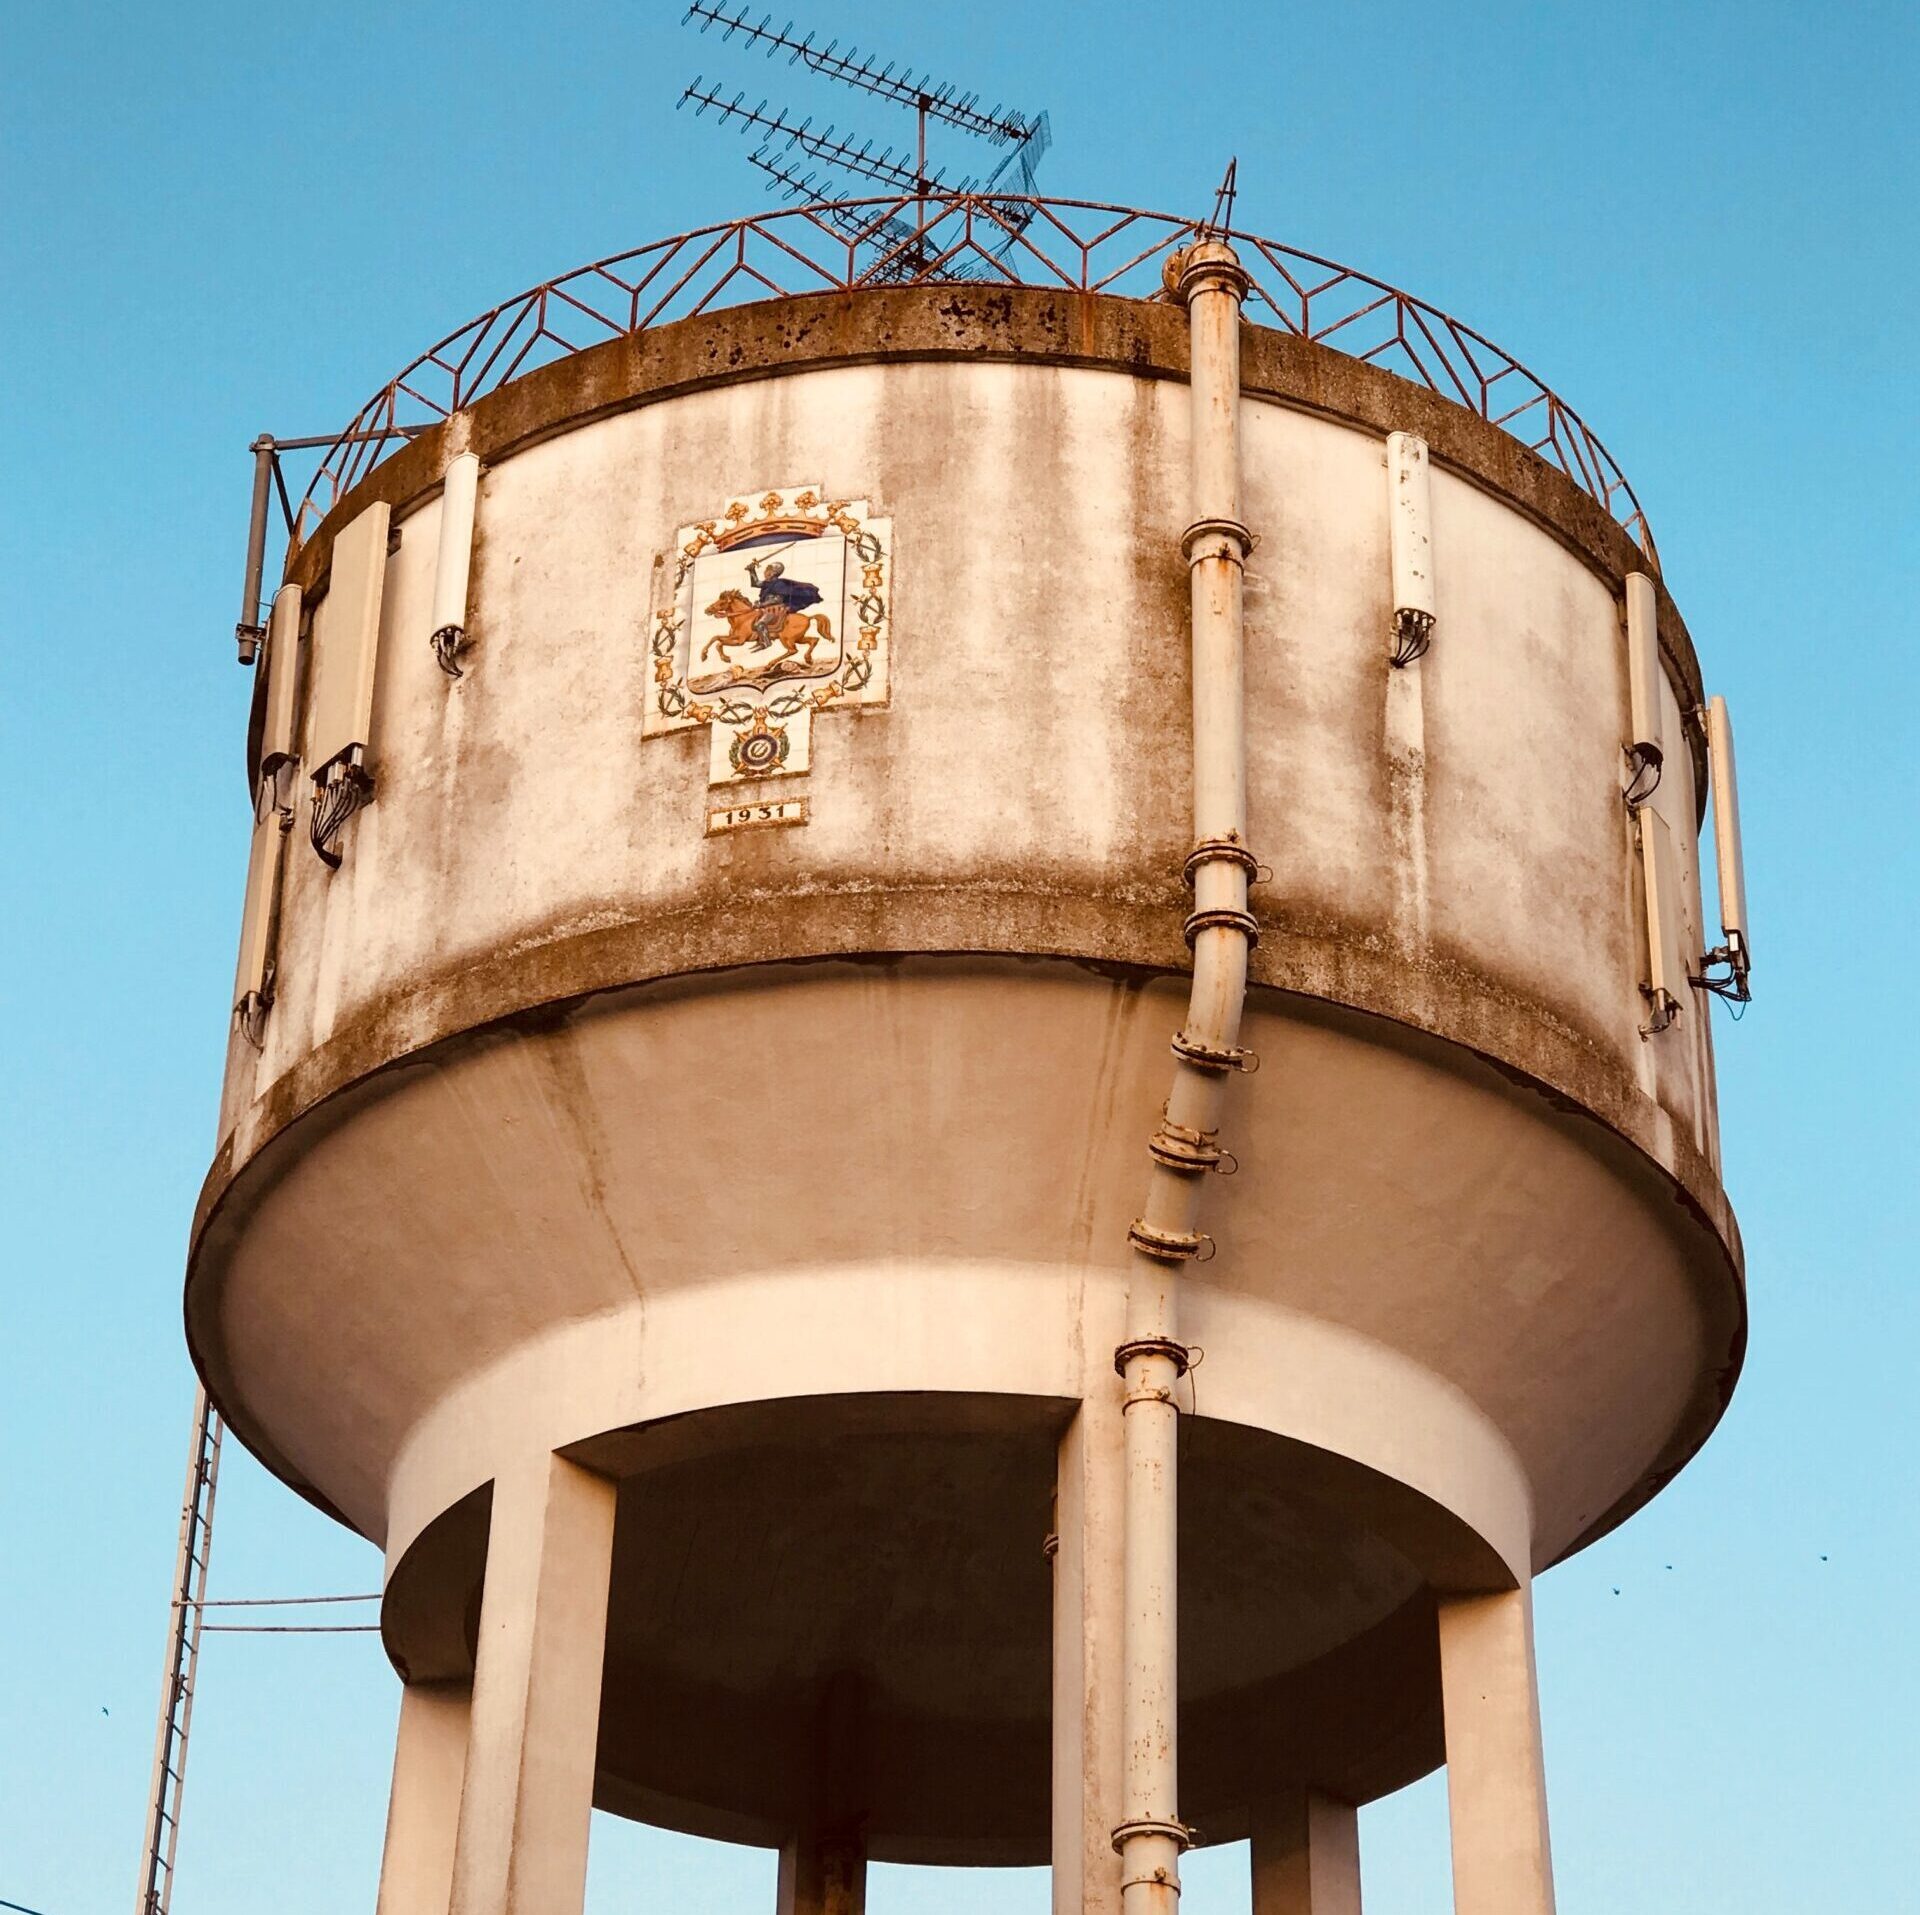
(784, 143)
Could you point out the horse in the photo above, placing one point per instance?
(797, 633)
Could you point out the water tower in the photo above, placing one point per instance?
(971, 1092)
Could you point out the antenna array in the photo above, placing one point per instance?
(882, 166)
(942, 102)
(895, 240)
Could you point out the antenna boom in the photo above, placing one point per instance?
(943, 102)
(881, 166)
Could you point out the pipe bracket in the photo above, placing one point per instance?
(1216, 539)
(1169, 1246)
(1176, 1353)
(1182, 1148)
(1213, 1057)
(1225, 851)
(1177, 1832)
(1158, 1879)
(1223, 919)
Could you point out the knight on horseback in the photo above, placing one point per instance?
(779, 596)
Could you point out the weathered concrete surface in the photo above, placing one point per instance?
(1086, 1699)
(526, 1798)
(1027, 325)
(1496, 1773)
(576, 1130)
(423, 1811)
(1305, 1854)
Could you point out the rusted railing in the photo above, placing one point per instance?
(988, 240)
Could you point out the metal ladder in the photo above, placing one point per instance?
(183, 1661)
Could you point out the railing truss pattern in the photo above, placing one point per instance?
(982, 240)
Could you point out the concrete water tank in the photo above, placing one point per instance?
(726, 882)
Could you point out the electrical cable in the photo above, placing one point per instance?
(290, 1629)
(274, 1602)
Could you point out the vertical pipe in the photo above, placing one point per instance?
(1151, 1836)
(249, 631)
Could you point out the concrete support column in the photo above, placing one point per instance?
(1087, 1645)
(1496, 1775)
(1306, 1855)
(823, 1867)
(823, 1874)
(527, 1802)
(423, 1813)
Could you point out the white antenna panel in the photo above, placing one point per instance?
(1643, 669)
(282, 667)
(251, 985)
(346, 641)
(1411, 507)
(455, 557)
(1667, 967)
(1728, 856)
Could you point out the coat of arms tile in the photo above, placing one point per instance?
(775, 609)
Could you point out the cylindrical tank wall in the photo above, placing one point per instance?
(570, 1117)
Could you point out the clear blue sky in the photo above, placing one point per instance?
(1695, 221)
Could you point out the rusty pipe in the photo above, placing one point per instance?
(1208, 278)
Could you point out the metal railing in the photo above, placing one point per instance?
(977, 239)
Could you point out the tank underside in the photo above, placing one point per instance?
(778, 1182)
(818, 1261)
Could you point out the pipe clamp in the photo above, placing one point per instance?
(1224, 851)
(1224, 538)
(1223, 919)
(1169, 1246)
(1182, 1148)
(1176, 1353)
(1213, 1057)
(1176, 1832)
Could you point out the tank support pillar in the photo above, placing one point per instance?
(423, 1813)
(1496, 1775)
(823, 1868)
(823, 1874)
(1089, 1489)
(1306, 1855)
(527, 1801)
